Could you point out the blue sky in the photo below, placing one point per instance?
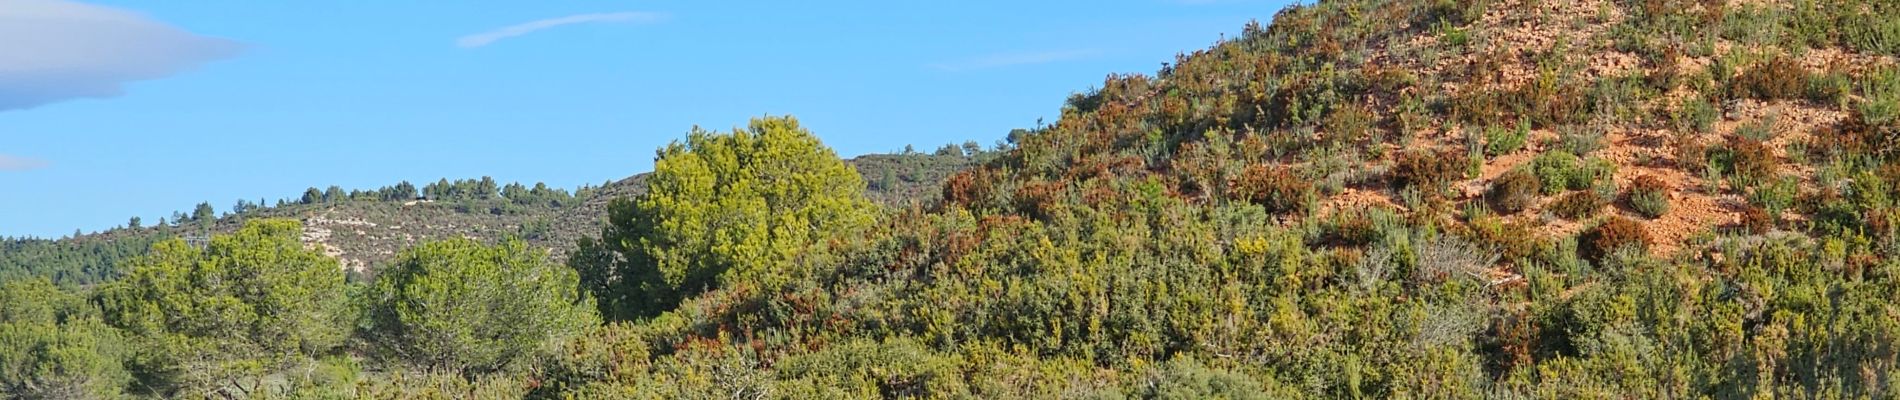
(193, 101)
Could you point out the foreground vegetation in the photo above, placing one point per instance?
(1169, 237)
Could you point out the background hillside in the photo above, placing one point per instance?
(368, 229)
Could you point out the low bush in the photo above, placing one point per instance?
(1779, 78)
(1276, 188)
(1577, 205)
(1776, 195)
(1696, 114)
(1757, 220)
(1749, 159)
(1758, 130)
(1430, 170)
(1554, 171)
(1614, 234)
(1872, 127)
(1649, 196)
(1581, 140)
(1513, 191)
(1500, 141)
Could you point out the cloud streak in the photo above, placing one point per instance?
(490, 37)
(1000, 60)
(58, 50)
(11, 163)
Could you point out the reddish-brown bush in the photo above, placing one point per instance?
(1756, 220)
(1777, 78)
(1577, 205)
(1752, 159)
(1613, 234)
(1276, 188)
(1430, 171)
(1513, 191)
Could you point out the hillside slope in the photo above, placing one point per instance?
(1362, 199)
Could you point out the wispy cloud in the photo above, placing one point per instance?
(11, 163)
(1000, 60)
(60, 50)
(486, 38)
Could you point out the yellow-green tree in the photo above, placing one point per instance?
(758, 204)
(461, 306)
(218, 320)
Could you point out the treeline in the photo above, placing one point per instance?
(74, 261)
(484, 189)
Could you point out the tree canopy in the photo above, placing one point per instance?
(460, 306)
(219, 319)
(755, 204)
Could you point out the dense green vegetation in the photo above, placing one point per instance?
(757, 205)
(1171, 236)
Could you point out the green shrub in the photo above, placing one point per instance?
(1513, 191)
(1872, 127)
(1775, 195)
(1558, 171)
(1577, 205)
(1758, 130)
(1697, 115)
(1830, 88)
(1616, 233)
(1581, 140)
(1554, 170)
(1500, 141)
(1649, 196)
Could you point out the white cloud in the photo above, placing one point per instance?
(56, 50)
(11, 163)
(486, 38)
(1013, 59)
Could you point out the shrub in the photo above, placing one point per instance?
(1276, 188)
(1513, 191)
(1776, 195)
(1750, 159)
(1554, 170)
(1500, 141)
(1757, 220)
(1577, 205)
(1428, 169)
(1613, 234)
(1779, 78)
(1594, 171)
(1696, 115)
(1649, 196)
(1830, 88)
(1760, 131)
(1582, 140)
(1872, 126)
(1347, 124)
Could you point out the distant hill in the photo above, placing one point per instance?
(364, 233)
